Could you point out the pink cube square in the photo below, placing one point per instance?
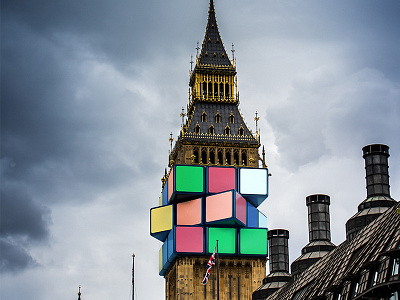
(189, 239)
(241, 205)
(221, 179)
(228, 208)
(219, 207)
(189, 212)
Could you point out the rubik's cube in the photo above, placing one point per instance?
(200, 205)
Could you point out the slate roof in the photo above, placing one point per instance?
(213, 51)
(225, 111)
(351, 261)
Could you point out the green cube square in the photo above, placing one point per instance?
(189, 179)
(253, 241)
(226, 240)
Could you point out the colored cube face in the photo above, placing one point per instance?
(189, 212)
(253, 184)
(160, 260)
(189, 239)
(161, 221)
(189, 179)
(185, 181)
(262, 220)
(255, 218)
(228, 208)
(170, 246)
(226, 240)
(165, 195)
(164, 264)
(221, 179)
(252, 215)
(240, 211)
(253, 241)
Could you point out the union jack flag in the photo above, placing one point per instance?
(210, 263)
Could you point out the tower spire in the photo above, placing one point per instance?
(213, 52)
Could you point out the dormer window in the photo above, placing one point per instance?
(227, 130)
(218, 118)
(231, 118)
(197, 129)
(204, 117)
(211, 129)
(241, 131)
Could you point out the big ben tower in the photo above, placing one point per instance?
(216, 181)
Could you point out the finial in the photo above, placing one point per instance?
(256, 119)
(191, 63)
(263, 156)
(79, 293)
(183, 116)
(171, 139)
(233, 51)
(197, 48)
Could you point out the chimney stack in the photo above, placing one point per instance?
(376, 170)
(319, 233)
(319, 228)
(278, 264)
(278, 250)
(378, 189)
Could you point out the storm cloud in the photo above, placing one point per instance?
(91, 90)
(23, 222)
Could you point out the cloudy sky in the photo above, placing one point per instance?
(90, 91)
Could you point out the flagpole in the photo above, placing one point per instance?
(133, 276)
(217, 273)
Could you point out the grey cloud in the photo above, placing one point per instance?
(23, 223)
(22, 217)
(14, 258)
(348, 109)
(120, 31)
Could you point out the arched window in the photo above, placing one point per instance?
(236, 158)
(215, 89)
(204, 156)
(218, 118)
(227, 130)
(241, 131)
(228, 157)
(210, 89)
(196, 155)
(204, 117)
(221, 90)
(244, 158)
(231, 118)
(211, 129)
(212, 156)
(197, 129)
(227, 90)
(220, 157)
(204, 89)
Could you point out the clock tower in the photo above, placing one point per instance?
(214, 139)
